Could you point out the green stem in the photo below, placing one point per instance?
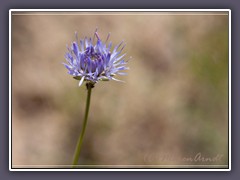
(80, 140)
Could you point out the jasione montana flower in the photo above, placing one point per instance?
(93, 62)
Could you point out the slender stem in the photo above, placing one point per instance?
(80, 140)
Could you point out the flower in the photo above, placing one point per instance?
(95, 62)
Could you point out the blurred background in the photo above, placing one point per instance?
(172, 110)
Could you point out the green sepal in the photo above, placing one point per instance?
(77, 77)
(104, 79)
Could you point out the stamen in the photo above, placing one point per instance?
(94, 33)
(76, 36)
(123, 47)
(129, 59)
(107, 37)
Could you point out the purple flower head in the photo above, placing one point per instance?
(93, 62)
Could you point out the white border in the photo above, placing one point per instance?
(10, 93)
(118, 10)
(229, 91)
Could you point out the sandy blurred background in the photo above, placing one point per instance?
(173, 106)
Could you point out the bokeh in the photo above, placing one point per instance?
(171, 111)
